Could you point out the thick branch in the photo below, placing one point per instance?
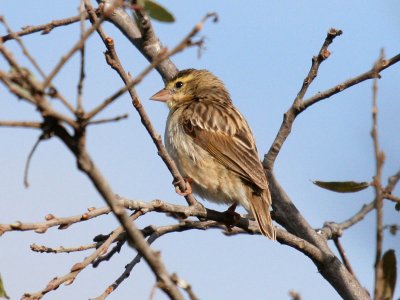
(149, 44)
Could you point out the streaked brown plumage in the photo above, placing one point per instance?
(211, 143)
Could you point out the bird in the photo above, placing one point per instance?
(213, 147)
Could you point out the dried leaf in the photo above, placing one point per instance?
(3, 293)
(158, 12)
(388, 283)
(342, 186)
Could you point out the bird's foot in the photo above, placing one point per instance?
(232, 217)
(188, 188)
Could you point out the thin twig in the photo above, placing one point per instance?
(391, 198)
(79, 108)
(76, 47)
(374, 72)
(163, 55)
(108, 120)
(28, 160)
(45, 249)
(295, 295)
(69, 278)
(379, 161)
(34, 63)
(393, 180)
(114, 62)
(45, 28)
(22, 46)
(343, 255)
(22, 124)
(295, 109)
(52, 221)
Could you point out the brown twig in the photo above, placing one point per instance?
(332, 229)
(79, 108)
(110, 254)
(295, 109)
(285, 211)
(52, 221)
(114, 62)
(45, 28)
(108, 120)
(135, 238)
(77, 45)
(391, 198)
(393, 180)
(379, 161)
(28, 160)
(295, 295)
(371, 74)
(27, 88)
(147, 43)
(22, 124)
(34, 63)
(45, 249)
(22, 46)
(343, 255)
(162, 56)
(69, 278)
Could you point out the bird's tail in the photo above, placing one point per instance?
(260, 205)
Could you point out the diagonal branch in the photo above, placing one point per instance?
(294, 110)
(45, 28)
(69, 278)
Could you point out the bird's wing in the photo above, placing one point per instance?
(223, 132)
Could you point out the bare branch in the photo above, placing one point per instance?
(108, 120)
(28, 160)
(114, 62)
(22, 124)
(343, 255)
(69, 278)
(45, 28)
(44, 249)
(157, 60)
(391, 198)
(371, 74)
(379, 161)
(148, 44)
(79, 109)
(52, 221)
(294, 110)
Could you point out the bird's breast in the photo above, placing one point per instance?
(210, 179)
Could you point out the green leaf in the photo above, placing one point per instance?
(389, 274)
(3, 293)
(158, 12)
(342, 186)
(397, 207)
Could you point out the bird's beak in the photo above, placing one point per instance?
(164, 96)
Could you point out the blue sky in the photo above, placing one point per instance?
(262, 51)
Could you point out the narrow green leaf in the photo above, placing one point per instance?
(3, 293)
(342, 186)
(389, 274)
(158, 12)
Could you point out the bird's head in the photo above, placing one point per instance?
(192, 85)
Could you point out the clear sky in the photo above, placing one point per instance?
(262, 50)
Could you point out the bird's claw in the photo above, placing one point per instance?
(188, 188)
(233, 217)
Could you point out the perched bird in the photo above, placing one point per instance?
(213, 146)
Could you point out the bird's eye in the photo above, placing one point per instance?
(179, 84)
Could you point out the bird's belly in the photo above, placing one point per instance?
(210, 179)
